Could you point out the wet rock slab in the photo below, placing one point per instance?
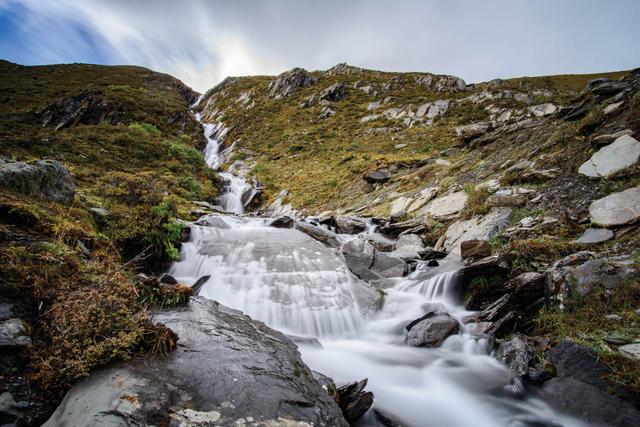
(227, 367)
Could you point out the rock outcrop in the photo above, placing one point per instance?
(431, 330)
(287, 83)
(227, 368)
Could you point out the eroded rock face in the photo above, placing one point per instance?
(48, 179)
(89, 108)
(286, 83)
(226, 367)
(622, 153)
(616, 209)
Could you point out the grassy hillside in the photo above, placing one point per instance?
(321, 161)
(134, 150)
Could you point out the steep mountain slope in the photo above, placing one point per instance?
(123, 164)
(537, 169)
(316, 134)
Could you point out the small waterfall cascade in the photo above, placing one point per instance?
(279, 276)
(294, 284)
(233, 198)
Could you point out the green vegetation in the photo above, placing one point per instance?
(321, 161)
(145, 169)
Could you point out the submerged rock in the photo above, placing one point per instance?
(431, 330)
(353, 400)
(227, 367)
(368, 263)
(48, 179)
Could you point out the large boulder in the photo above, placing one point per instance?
(516, 354)
(350, 225)
(542, 110)
(616, 209)
(590, 403)
(431, 330)
(226, 368)
(584, 278)
(595, 235)
(408, 246)
(482, 228)
(368, 263)
(48, 179)
(621, 154)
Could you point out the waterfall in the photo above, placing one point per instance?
(296, 285)
(232, 199)
(279, 276)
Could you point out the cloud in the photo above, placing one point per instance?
(202, 41)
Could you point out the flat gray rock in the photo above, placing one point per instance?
(227, 367)
(479, 227)
(448, 206)
(631, 351)
(595, 235)
(608, 160)
(616, 209)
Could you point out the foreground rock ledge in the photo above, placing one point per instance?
(227, 368)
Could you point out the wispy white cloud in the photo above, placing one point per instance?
(203, 41)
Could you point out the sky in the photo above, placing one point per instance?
(203, 41)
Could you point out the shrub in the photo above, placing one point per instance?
(185, 153)
(145, 128)
(476, 201)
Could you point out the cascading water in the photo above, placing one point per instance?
(232, 199)
(298, 286)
